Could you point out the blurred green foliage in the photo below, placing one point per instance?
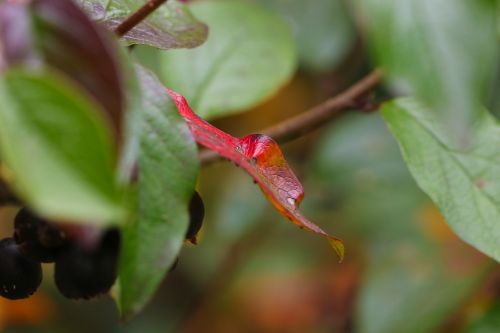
(405, 271)
(442, 52)
(249, 54)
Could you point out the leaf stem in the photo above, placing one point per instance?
(139, 15)
(319, 115)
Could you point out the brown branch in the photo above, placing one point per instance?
(138, 16)
(313, 118)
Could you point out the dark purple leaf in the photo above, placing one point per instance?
(170, 26)
(72, 43)
(15, 34)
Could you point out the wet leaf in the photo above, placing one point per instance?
(57, 149)
(240, 65)
(262, 158)
(464, 184)
(171, 26)
(168, 165)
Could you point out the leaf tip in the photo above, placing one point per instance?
(338, 246)
(128, 314)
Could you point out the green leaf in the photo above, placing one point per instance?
(247, 57)
(443, 52)
(132, 116)
(324, 32)
(170, 26)
(88, 54)
(412, 287)
(36, 33)
(168, 165)
(57, 148)
(417, 272)
(463, 184)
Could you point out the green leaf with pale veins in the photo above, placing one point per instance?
(464, 184)
(57, 148)
(409, 257)
(442, 51)
(168, 165)
(248, 56)
(170, 26)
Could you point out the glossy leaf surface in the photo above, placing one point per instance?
(262, 158)
(168, 165)
(171, 26)
(57, 149)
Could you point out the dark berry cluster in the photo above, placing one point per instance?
(85, 266)
(85, 261)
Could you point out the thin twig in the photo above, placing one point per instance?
(138, 16)
(313, 118)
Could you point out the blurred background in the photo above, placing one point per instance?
(252, 271)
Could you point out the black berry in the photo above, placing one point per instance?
(36, 238)
(83, 272)
(196, 215)
(20, 276)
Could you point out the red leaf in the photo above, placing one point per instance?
(262, 158)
